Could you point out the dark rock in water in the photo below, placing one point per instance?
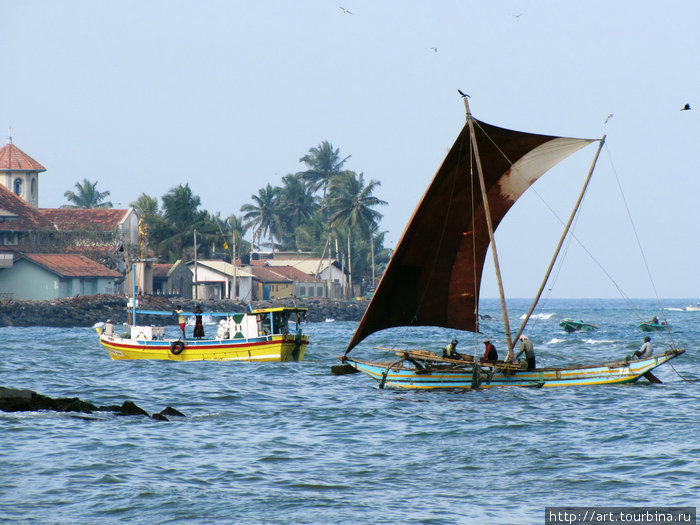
(170, 411)
(13, 400)
(16, 400)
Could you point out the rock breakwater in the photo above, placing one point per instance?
(90, 309)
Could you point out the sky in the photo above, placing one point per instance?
(227, 96)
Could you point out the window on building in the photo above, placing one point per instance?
(32, 188)
(17, 187)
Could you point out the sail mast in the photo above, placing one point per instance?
(561, 240)
(489, 224)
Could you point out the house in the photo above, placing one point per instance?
(46, 276)
(316, 267)
(213, 280)
(274, 282)
(109, 236)
(172, 279)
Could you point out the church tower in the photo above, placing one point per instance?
(19, 173)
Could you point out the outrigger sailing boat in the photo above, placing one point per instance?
(434, 275)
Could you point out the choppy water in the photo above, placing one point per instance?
(291, 443)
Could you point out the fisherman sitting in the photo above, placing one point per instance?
(450, 351)
(490, 353)
(647, 350)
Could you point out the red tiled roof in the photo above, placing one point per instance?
(161, 270)
(93, 219)
(71, 265)
(280, 274)
(28, 218)
(14, 159)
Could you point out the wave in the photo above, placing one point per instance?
(539, 316)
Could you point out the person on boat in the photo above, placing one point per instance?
(198, 326)
(527, 349)
(450, 351)
(647, 350)
(181, 319)
(655, 320)
(109, 328)
(490, 354)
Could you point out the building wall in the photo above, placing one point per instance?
(27, 281)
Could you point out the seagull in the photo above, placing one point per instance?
(686, 107)
(345, 10)
(434, 49)
(611, 115)
(463, 94)
(518, 15)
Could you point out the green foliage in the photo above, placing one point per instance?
(86, 196)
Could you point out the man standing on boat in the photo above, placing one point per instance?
(450, 351)
(490, 354)
(528, 350)
(181, 319)
(647, 350)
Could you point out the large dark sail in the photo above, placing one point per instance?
(434, 276)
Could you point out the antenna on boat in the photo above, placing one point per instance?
(487, 212)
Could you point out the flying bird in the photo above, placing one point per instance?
(463, 94)
(611, 115)
(686, 107)
(518, 15)
(344, 10)
(434, 49)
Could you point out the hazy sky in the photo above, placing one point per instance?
(228, 95)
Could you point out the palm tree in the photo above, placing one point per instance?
(351, 206)
(87, 196)
(180, 218)
(146, 206)
(297, 205)
(264, 215)
(323, 163)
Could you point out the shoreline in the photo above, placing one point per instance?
(86, 310)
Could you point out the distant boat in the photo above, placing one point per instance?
(653, 326)
(435, 272)
(571, 325)
(691, 308)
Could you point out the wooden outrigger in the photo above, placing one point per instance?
(421, 370)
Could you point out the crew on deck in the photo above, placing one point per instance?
(527, 349)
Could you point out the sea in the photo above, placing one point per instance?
(291, 443)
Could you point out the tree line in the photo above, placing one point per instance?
(325, 209)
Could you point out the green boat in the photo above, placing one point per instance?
(650, 326)
(572, 325)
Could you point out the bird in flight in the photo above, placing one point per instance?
(345, 10)
(686, 107)
(434, 49)
(463, 94)
(611, 115)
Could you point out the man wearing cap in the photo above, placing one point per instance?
(109, 328)
(527, 349)
(450, 351)
(490, 354)
(646, 350)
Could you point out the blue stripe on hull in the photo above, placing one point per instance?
(546, 377)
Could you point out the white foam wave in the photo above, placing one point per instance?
(539, 316)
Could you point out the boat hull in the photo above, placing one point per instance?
(441, 376)
(271, 348)
(570, 326)
(653, 327)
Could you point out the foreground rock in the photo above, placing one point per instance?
(90, 309)
(15, 400)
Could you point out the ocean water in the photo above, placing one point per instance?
(291, 443)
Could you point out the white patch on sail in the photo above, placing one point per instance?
(534, 164)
